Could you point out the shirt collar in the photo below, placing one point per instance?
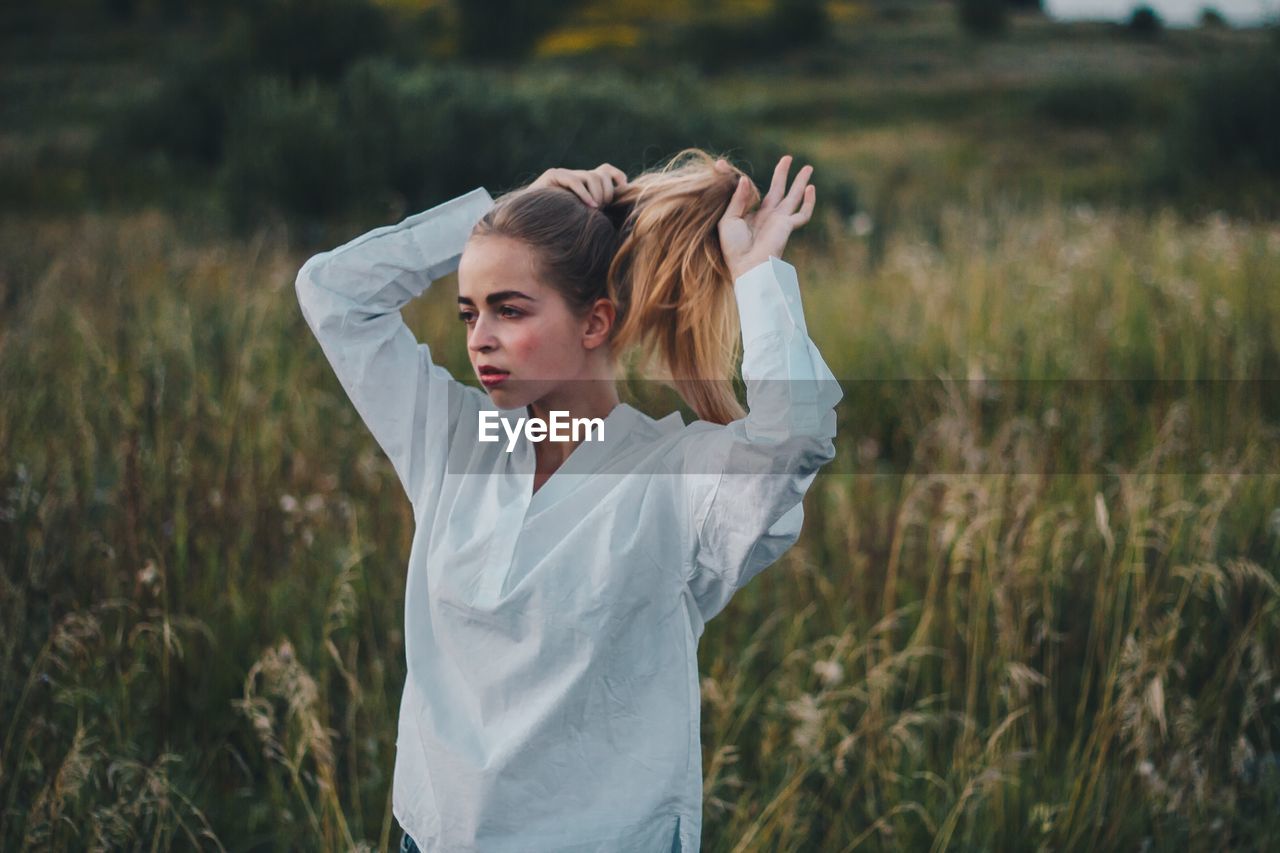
(585, 459)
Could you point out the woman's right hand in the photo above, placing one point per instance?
(594, 186)
(748, 239)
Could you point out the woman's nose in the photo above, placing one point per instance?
(480, 338)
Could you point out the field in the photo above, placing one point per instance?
(1036, 604)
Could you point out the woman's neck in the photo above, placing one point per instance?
(585, 399)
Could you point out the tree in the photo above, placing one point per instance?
(507, 29)
(1211, 18)
(983, 17)
(796, 22)
(1145, 22)
(315, 38)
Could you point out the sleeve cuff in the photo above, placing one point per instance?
(440, 233)
(768, 297)
(382, 269)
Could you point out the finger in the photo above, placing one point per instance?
(806, 210)
(595, 186)
(794, 197)
(546, 179)
(563, 178)
(605, 184)
(579, 187)
(779, 184)
(738, 201)
(619, 177)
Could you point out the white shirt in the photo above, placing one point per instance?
(552, 698)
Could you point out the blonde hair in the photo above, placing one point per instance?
(654, 250)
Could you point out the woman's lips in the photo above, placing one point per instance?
(492, 378)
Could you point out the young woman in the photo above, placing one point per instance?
(556, 590)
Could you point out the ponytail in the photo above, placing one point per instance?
(672, 283)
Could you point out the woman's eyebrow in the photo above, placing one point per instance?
(500, 296)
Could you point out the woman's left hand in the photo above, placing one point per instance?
(596, 187)
(748, 239)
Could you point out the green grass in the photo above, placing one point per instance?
(204, 551)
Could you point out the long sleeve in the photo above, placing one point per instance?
(743, 484)
(351, 298)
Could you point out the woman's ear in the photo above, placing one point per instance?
(599, 322)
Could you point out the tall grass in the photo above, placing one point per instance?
(203, 556)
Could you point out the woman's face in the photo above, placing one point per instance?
(516, 324)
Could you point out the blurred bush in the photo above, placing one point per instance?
(714, 43)
(507, 30)
(983, 17)
(314, 38)
(1211, 18)
(186, 121)
(1144, 22)
(389, 140)
(799, 22)
(286, 114)
(1087, 102)
(287, 151)
(1222, 148)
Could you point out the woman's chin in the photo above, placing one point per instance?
(505, 398)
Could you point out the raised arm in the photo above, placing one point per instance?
(351, 298)
(743, 483)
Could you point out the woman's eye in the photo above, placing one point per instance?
(505, 310)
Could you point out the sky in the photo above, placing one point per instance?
(1239, 12)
